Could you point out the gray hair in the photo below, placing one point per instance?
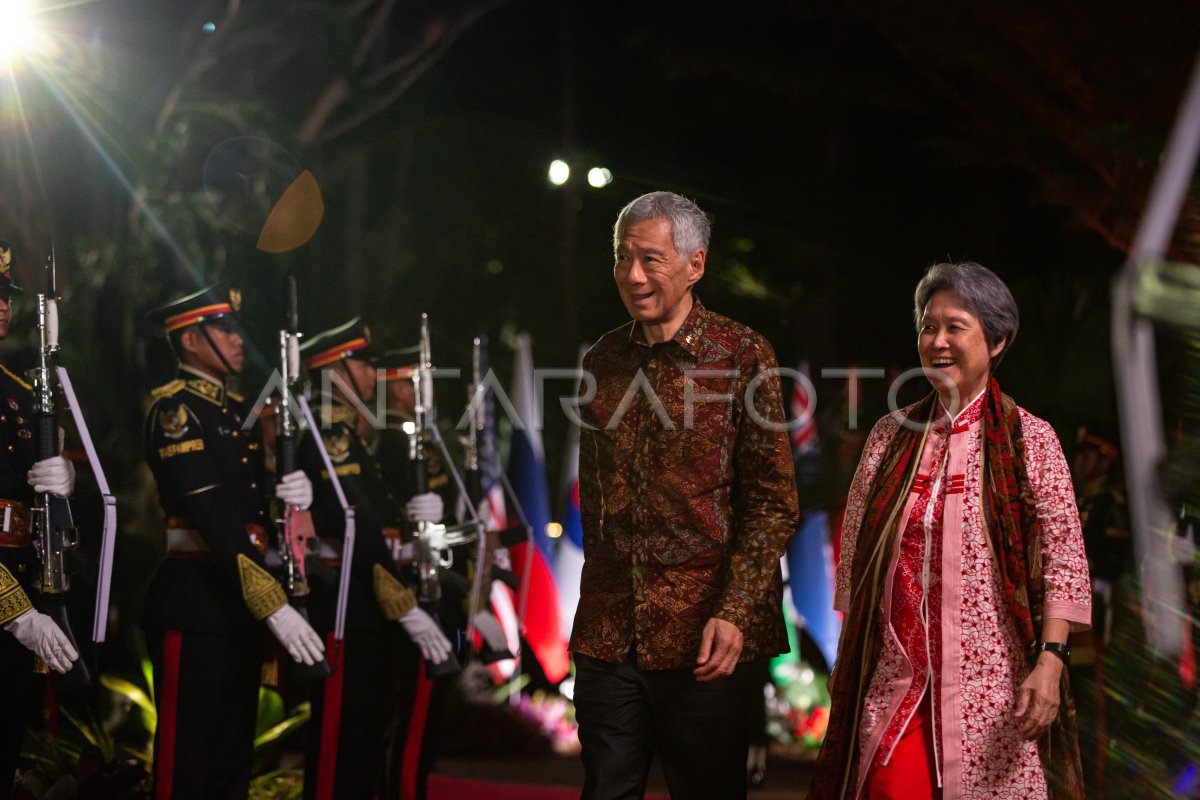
(982, 293)
(690, 228)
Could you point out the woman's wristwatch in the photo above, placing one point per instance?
(1060, 649)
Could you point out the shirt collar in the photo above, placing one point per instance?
(969, 412)
(689, 335)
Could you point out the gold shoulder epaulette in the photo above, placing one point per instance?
(168, 389)
(331, 413)
(16, 377)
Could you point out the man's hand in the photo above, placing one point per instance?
(720, 648)
(1037, 698)
(426, 635)
(292, 630)
(54, 475)
(39, 633)
(427, 507)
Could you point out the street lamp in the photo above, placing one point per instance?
(599, 177)
(559, 172)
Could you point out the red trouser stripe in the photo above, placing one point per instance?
(331, 717)
(168, 714)
(415, 739)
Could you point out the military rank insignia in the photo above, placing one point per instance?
(173, 422)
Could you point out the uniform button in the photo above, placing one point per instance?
(253, 485)
(20, 569)
(10, 448)
(245, 460)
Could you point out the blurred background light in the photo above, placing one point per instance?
(559, 172)
(17, 31)
(599, 177)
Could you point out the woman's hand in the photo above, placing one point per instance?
(1037, 698)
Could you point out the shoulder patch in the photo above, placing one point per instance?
(337, 445)
(24, 383)
(173, 422)
(394, 598)
(168, 389)
(262, 593)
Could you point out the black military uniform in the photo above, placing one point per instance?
(420, 700)
(20, 697)
(345, 754)
(211, 592)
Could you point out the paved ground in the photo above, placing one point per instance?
(786, 779)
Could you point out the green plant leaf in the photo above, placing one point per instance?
(135, 695)
(270, 710)
(279, 731)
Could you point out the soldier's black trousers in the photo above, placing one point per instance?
(20, 700)
(363, 684)
(206, 691)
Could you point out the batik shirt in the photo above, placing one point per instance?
(687, 493)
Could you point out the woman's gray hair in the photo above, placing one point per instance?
(982, 293)
(690, 228)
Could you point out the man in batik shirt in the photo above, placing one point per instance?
(688, 500)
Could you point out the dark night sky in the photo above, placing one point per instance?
(832, 166)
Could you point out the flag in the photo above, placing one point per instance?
(568, 561)
(492, 513)
(527, 474)
(810, 552)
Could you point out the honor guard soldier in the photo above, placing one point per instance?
(208, 598)
(33, 634)
(350, 716)
(420, 698)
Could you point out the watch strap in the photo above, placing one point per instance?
(1060, 649)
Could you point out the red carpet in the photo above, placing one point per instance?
(443, 788)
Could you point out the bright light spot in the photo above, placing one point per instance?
(410, 427)
(17, 31)
(567, 688)
(559, 172)
(553, 530)
(599, 177)
(208, 27)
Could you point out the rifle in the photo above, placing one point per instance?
(433, 540)
(295, 527)
(54, 529)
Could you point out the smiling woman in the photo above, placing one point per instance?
(962, 574)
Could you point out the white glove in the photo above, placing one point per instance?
(296, 635)
(295, 489)
(489, 628)
(426, 634)
(54, 475)
(39, 633)
(426, 507)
